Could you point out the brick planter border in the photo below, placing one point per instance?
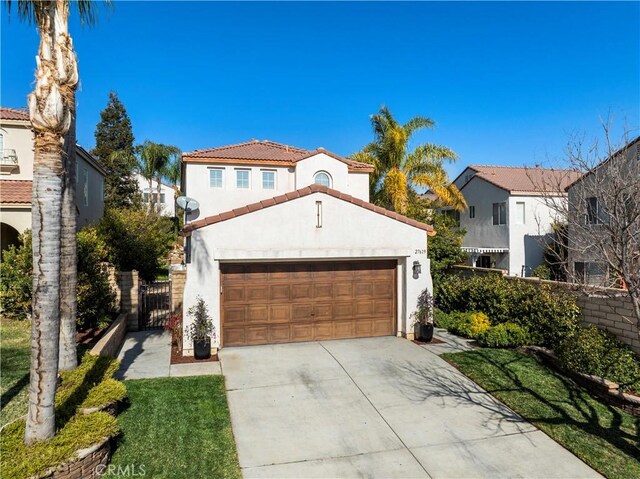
(606, 390)
(89, 463)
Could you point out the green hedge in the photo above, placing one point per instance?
(548, 315)
(599, 353)
(505, 335)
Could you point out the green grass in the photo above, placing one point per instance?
(603, 436)
(177, 428)
(15, 356)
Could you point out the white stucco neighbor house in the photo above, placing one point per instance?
(285, 247)
(508, 216)
(16, 175)
(167, 195)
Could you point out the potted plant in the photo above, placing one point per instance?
(201, 330)
(423, 326)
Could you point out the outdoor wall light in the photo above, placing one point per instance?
(417, 269)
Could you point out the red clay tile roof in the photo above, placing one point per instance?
(15, 191)
(264, 151)
(209, 220)
(13, 114)
(526, 180)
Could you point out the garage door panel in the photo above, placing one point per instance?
(279, 313)
(279, 292)
(301, 332)
(235, 314)
(233, 293)
(301, 291)
(288, 302)
(279, 333)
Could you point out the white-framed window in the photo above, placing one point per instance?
(85, 186)
(243, 179)
(215, 177)
(472, 212)
(499, 213)
(153, 195)
(268, 180)
(520, 213)
(322, 178)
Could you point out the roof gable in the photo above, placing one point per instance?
(299, 194)
(265, 152)
(522, 180)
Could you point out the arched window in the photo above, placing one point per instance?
(322, 178)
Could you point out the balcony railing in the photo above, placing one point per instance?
(8, 161)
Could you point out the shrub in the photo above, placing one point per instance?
(96, 299)
(20, 460)
(175, 326)
(543, 272)
(447, 320)
(505, 335)
(549, 315)
(468, 325)
(479, 324)
(94, 295)
(202, 326)
(16, 279)
(593, 351)
(137, 240)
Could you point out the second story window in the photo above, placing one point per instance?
(242, 179)
(595, 214)
(322, 178)
(85, 186)
(472, 212)
(268, 180)
(500, 213)
(215, 178)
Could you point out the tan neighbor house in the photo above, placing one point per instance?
(16, 176)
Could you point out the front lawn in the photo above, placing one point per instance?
(177, 428)
(603, 436)
(15, 357)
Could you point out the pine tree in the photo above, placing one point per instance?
(114, 134)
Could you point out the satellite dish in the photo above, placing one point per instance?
(187, 204)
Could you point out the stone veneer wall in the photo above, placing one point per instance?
(178, 279)
(606, 308)
(126, 284)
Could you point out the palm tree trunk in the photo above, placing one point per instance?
(45, 322)
(159, 189)
(151, 202)
(50, 121)
(68, 254)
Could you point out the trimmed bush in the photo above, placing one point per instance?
(479, 325)
(593, 351)
(549, 315)
(16, 280)
(505, 335)
(468, 325)
(20, 460)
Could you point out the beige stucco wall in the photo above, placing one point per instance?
(18, 137)
(288, 232)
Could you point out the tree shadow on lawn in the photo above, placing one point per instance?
(574, 407)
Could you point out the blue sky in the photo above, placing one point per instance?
(507, 83)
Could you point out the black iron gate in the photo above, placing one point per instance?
(154, 304)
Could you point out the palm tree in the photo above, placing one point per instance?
(52, 112)
(397, 169)
(153, 160)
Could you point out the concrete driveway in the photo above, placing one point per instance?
(378, 407)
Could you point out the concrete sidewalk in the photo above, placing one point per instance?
(377, 407)
(147, 354)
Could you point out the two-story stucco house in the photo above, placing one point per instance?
(167, 195)
(16, 175)
(286, 247)
(603, 209)
(508, 214)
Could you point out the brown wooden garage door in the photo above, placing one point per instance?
(265, 303)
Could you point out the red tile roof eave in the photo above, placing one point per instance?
(299, 194)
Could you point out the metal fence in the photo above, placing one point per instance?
(154, 304)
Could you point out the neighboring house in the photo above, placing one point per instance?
(167, 195)
(286, 247)
(508, 216)
(16, 175)
(588, 198)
